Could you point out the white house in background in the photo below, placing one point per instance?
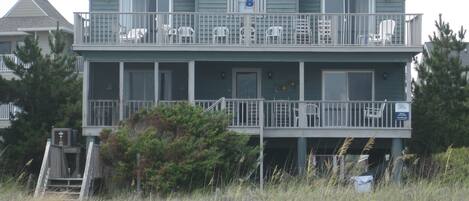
(27, 17)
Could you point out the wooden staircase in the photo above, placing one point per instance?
(53, 180)
(64, 188)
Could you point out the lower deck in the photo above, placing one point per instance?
(271, 99)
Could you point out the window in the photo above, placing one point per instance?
(146, 5)
(246, 6)
(5, 47)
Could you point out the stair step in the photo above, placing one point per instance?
(64, 186)
(66, 179)
(62, 192)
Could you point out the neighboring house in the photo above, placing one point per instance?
(302, 75)
(27, 17)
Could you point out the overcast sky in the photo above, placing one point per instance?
(454, 11)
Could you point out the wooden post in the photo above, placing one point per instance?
(261, 144)
(139, 175)
(191, 82)
(121, 91)
(86, 77)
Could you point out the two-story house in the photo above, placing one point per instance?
(27, 18)
(298, 75)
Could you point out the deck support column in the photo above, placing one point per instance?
(121, 91)
(396, 157)
(261, 144)
(191, 82)
(302, 123)
(157, 82)
(301, 152)
(408, 90)
(86, 78)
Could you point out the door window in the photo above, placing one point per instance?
(140, 85)
(246, 85)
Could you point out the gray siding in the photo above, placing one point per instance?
(104, 5)
(282, 6)
(211, 6)
(210, 84)
(184, 5)
(390, 6)
(310, 6)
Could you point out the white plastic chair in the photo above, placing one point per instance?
(325, 31)
(374, 112)
(220, 33)
(274, 33)
(312, 112)
(250, 33)
(133, 35)
(386, 31)
(186, 33)
(303, 30)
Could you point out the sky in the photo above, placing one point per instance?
(454, 11)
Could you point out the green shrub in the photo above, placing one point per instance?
(453, 165)
(181, 148)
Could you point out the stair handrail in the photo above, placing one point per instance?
(88, 173)
(221, 101)
(44, 168)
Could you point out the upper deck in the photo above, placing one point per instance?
(274, 32)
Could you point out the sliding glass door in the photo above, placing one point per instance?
(340, 87)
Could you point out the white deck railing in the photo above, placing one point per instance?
(79, 63)
(3, 67)
(6, 110)
(248, 30)
(277, 113)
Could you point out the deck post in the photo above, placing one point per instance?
(408, 80)
(121, 91)
(261, 144)
(86, 72)
(191, 83)
(396, 156)
(157, 82)
(301, 152)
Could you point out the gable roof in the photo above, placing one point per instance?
(464, 55)
(32, 15)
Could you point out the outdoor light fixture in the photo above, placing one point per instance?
(222, 75)
(385, 76)
(269, 75)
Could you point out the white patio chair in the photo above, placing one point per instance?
(303, 30)
(375, 112)
(186, 33)
(251, 33)
(386, 31)
(220, 33)
(133, 35)
(324, 31)
(274, 33)
(311, 112)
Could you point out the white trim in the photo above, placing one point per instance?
(14, 33)
(121, 90)
(46, 29)
(247, 70)
(85, 96)
(302, 80)
(191, 82)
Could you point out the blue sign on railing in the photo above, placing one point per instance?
(402, 111)
(249, 3)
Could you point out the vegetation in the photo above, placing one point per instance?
(180, 148)
(440, 113)
(48, 92)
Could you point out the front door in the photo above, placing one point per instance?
(246, 86)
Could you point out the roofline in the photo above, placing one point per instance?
(16, 4)
(13, 33)
(66, 29)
